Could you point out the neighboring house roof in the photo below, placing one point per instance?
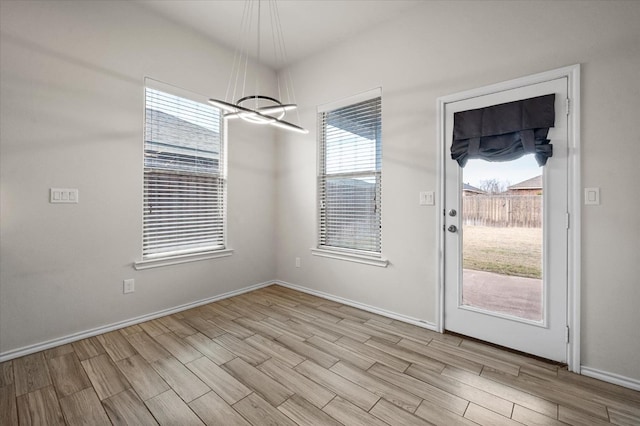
(175, 135)
(533, 183)
(172, 143)
(469, 188)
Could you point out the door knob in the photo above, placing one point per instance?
(453, 212)
(452, 228)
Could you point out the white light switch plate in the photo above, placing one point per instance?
(427, 198)
(63, 195)
(592, 196)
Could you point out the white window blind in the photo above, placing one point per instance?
(350, 172)
(184, 180)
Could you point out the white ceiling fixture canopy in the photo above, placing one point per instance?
(259, 108)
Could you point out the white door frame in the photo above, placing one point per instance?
(574, 199)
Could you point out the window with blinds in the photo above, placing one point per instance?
(350, 172)
(184, 179)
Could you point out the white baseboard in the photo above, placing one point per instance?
(616, 379)
(364, 307)
(27, 350)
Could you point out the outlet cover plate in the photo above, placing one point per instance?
(128, 286)
(592, 196)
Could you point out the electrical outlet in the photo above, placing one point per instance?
(128, 286)
(297, 262)
(592, 196)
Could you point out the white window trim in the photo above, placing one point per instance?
(351, 256)
(185, 258)
(356, 256)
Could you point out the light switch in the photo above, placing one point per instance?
(592, 196)
(63, 195)
(427, 198)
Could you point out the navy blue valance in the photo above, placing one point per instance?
(505, 132)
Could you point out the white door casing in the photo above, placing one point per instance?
(562, 201)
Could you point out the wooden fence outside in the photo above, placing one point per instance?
(523, 211)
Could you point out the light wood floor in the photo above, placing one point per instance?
(277, 356)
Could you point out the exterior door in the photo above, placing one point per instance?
(516, 306)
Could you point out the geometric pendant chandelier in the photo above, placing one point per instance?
(258, 108)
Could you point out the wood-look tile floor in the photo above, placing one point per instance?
(280, 357)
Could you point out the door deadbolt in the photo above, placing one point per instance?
(452, 228)
(453, 212)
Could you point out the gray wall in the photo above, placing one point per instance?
(440, 48)
(72, 113)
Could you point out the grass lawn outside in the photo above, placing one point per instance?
(506, 251)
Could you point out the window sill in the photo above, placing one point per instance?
(176, 260)
(351, 257)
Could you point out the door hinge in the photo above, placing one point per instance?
(567, 334)
(568, 220)
(567, 104)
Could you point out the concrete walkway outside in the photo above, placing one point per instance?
(521, 297)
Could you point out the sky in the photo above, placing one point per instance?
(512, 171)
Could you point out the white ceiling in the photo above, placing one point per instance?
(309, 26)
